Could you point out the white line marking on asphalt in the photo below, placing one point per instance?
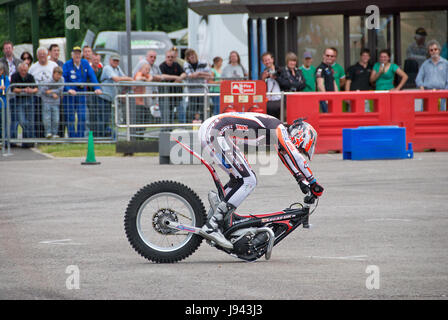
(387, 219)
(353, 258)
(60, 242)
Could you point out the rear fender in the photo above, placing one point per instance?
(210, 168)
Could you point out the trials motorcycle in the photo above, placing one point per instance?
(163, 222)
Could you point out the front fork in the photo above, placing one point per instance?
(308, 201)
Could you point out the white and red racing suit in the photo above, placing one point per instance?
(219, 134)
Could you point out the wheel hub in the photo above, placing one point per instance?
(159, 220)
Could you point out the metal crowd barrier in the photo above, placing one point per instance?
(162, 105)
(165, 106)
(139, 110)
(6, 148)
(42, 118)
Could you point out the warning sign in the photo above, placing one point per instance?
(243, 96)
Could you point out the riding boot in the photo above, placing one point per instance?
(212, 228)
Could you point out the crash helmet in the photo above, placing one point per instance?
(303, 136)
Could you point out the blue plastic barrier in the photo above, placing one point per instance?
(375, 143)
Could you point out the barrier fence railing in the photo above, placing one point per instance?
(166, 104)
(426, 129)
(6, 150)
(139, 110)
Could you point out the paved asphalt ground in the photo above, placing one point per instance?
(377, 218)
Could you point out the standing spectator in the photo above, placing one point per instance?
(156, 74)
(112, 73)
(325, 77)
(55, 51)
(309, 72)
(197, 72)
(234, 69)
(269, 75)
(95, 104)
(91, 101)
(151, 57)
(217, 71)
(27, 58)
(433, 73)
(77, 70)
(144, 105)
(358, 75)
(383, 73)
(87, 54)
(10, 62)
(291, 77)
(339, 73)
(172, 72)
(417, 50)
(51, 99)
(22, 107)
(97, 66)
(4, 84)
(42, 71)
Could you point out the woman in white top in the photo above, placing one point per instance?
(234, 70)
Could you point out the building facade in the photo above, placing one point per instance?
(312, 25)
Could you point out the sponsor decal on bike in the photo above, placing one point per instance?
(224, 129)
(242, 127)
(240, 221)
(185, 228)
(284, 217)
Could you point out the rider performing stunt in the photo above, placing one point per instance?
(218, 135)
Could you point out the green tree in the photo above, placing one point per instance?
(96, 15)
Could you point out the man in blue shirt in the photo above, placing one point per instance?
(77, 70)
(112, 73)
(433, 74)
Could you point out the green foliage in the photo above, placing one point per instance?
(96, 15)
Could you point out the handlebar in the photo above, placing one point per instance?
(309, 198)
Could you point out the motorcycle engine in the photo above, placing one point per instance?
(250, 246)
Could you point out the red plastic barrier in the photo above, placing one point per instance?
(329, 125)
(427, 130)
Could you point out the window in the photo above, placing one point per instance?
(434, 23)
(315, 33)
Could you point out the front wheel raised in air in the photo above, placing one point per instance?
(147, 213)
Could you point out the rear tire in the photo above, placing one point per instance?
(144, 221)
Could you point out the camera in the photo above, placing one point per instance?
(272, 72)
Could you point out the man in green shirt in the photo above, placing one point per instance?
(339, 73)
(309, 72)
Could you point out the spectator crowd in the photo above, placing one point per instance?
(61, 106)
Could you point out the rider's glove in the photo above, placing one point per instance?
(301, 181)
(316, 189)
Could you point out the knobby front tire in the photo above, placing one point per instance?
(145, 216)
